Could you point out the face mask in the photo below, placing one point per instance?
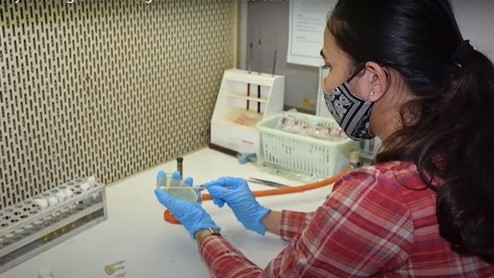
(350, 112)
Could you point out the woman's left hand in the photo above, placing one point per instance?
(192, 216)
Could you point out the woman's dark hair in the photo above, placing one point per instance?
(451, 139)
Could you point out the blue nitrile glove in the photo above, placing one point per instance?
(236, 193)
(192, 216)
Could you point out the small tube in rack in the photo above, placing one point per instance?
(250, 67)
(259, 86)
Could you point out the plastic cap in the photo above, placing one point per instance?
(68, 193)
(91, 180)
(354, 157)
(53, 201)
(60, 196)
(42, 203)
(85, 186)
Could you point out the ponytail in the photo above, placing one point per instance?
(465, 199)
(453, 142)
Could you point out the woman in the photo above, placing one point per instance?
(401, 71)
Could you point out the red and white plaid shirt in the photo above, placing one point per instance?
(374, 223)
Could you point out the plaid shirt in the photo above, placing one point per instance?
(374, 223)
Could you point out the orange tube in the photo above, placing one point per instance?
(169, 217)
(291, 189)
(270, 192)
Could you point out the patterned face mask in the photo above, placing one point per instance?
(350, 112)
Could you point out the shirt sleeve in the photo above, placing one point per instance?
(293, 223)
(363, 228)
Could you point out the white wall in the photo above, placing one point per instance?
(269, 20)
(476, 21)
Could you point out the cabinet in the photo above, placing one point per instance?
(243, 100)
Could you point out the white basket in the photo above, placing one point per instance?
(301, 153)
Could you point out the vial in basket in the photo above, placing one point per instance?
(296, 123)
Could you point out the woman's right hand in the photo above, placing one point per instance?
(236, 193)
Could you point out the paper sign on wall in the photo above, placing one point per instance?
(306, 28)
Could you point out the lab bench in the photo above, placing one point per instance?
(135, 241)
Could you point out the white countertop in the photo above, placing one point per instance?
(135, 232)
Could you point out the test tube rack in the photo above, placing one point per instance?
(244, 98)
(45, 220)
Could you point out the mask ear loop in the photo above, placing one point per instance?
(358, 69)
(356, 72)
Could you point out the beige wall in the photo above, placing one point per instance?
(105, 88)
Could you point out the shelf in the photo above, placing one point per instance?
(255, 99)
(253, 78)
(241, 117)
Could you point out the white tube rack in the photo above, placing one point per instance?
(244, 99)
(43, 221)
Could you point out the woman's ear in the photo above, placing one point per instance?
(377, 81)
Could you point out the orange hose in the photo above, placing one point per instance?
(291, 189)
(270, 192)
(170, 218)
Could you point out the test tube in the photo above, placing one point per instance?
(34, 208)
(88, 201)
(180, 169)
(57, 216)
(48, 220)
(96, 197)
(65, 212)
(18, 234)
(60, 196)
(42, 203)
(37, 225)
(28, 229)
(79, 206)
(85, 186)
(8, 239)
(52, 201)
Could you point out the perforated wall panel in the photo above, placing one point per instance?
(105, 88)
